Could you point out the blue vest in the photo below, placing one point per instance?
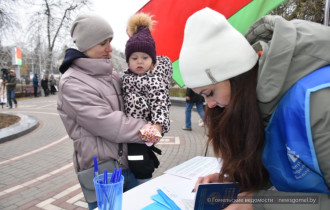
(289, 154)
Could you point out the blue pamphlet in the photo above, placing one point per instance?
(155, 206)
(215, 195)
(162, 202)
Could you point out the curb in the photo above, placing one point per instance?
(178, 101)
(25, 125)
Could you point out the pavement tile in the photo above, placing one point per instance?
(45, 154)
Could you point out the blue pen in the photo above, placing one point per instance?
(105, 176)
(118, 175)
(96, 169)
(113, 176)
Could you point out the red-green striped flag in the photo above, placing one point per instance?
(16, 56)
(171, 17)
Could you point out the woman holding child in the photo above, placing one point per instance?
(90, 100)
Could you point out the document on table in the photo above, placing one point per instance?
(181, 193)
(211, 196)
(196, 167)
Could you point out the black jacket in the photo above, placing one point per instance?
(44, 83)
(194, 97)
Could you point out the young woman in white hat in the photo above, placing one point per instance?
(268, 99)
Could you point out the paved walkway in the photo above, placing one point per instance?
(36, 170)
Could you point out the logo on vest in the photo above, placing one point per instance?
(299, 169)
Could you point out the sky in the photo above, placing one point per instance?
(117, 12)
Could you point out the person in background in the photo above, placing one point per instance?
(3, 92)
(35, 84)
(146, 92)
(268, 99)
(52, 83)
(191, 99)
(11, 89)
(90, 101)
(44, 85)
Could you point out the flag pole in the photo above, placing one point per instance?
(326, 13)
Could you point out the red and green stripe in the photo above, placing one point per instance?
(171, 16)
(17, 56)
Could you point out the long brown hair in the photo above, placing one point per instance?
(237, 134)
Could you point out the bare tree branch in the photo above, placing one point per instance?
(7, 18)
(73, 7)
(49, 22)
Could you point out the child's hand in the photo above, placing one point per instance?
(150, 134)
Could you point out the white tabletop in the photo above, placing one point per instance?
(140, 196)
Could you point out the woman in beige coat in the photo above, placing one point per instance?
(90, 100)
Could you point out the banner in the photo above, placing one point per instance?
(16, 56)
(171, 17)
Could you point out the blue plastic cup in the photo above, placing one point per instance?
(109, 196)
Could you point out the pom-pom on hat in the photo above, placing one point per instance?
(89, 30)
(216, 53)
(141, 40)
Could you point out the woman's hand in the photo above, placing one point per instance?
(242, 206)
(206, 179)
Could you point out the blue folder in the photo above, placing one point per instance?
(162, 202)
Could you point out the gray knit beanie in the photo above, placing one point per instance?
(90, 30)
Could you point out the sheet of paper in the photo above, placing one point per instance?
(181, 194)
(196, 167)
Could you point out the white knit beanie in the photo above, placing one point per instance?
(212, 50)
(89, 30)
